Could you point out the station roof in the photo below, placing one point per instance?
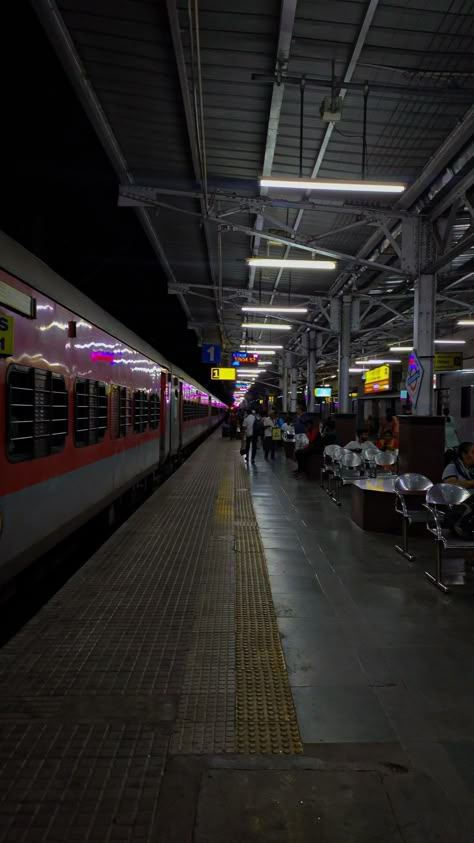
(195, 101)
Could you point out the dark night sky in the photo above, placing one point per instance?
(59, 199)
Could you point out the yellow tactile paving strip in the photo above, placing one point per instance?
(265, 713)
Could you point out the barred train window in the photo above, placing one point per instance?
(194, 410)
(37, 413)
(125, 411)
(154, 411)
(91, 412)
(140, 411)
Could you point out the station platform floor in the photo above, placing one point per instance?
(239, 662)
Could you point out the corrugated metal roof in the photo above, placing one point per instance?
(415, 55)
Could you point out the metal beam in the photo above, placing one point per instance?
(58, 34)
(287, 20)
(370, 12)
(173, 17)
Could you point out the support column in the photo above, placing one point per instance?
(286, 380)
(294, 388)
(345, 355)
(417, 252)
(423, 336)
(311, 368)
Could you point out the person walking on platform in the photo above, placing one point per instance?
(250, 436)
(269, 443)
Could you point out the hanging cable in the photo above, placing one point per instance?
(364, 132)
(302, 88)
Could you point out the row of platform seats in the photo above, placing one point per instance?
(341, 467)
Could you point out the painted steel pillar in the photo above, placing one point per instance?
(345, 355)
(294, 389)
(424, 336)
(311, 368)
(286, 380)
(418, 251)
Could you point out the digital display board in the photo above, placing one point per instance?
(377, 380)
(322, 392)
(240, 358)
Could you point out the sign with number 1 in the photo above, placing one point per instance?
(6, 334)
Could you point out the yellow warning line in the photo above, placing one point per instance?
(265, 713)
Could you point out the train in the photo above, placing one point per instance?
(88, 410)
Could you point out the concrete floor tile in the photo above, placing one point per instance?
(341, 715)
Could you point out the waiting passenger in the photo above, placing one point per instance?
(460, 472)
(269, 444)
(360, 443)
(390, 422)
(250, 436)
(303, 454)
(387, 442)
(299, 422)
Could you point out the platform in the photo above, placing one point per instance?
(240, 662)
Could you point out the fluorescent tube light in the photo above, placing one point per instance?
(250, 346)
(261, 309)
(450, 342)
(267, 326)
(375, 362)
(357, 185)
(401, 348)
(290, 263)
(466, 322)
(353, 371)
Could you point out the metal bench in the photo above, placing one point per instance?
(404, 486)
(347, 468)
(383, 461)
(440, 499)
(368, 456)
(327, 466)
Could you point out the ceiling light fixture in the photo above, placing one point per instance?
(251, 347)
(290, 263)
(260, 309)
(466, 322)
(375, 362)
(357, 185)
(267, 326)
(354, 370)
(450, 342)
(401, 348)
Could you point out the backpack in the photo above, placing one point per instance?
(460, 519)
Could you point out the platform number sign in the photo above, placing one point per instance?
(211, 354)
(6, 334)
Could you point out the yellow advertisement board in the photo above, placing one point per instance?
(377, 380)
(448, 361)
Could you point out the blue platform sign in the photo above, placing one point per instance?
(414, 377)
(211, 354)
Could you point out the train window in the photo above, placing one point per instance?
(194, 410)
(91, 412)
(140, 411)
(115, 412)
(37, 413)
(125, 411)
(154, 411)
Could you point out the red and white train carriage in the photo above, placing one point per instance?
(87, 409)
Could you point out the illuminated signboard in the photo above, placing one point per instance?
(223, 374)
(377, 380)
(241, 357)
(322, 392)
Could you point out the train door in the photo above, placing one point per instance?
(175, 421)
(164, 420)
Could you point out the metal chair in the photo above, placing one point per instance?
(368, 455)
(405, 485)
(347, 468)
(440, 499)
(383, 460)
(326, 467)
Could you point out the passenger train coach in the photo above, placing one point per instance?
(87, 409)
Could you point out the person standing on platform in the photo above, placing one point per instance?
(268, 441)
(390, 422)
(250, 436)
(451, 439)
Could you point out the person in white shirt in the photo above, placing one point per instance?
(268, 442)
(360, 443)
(251, 439)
